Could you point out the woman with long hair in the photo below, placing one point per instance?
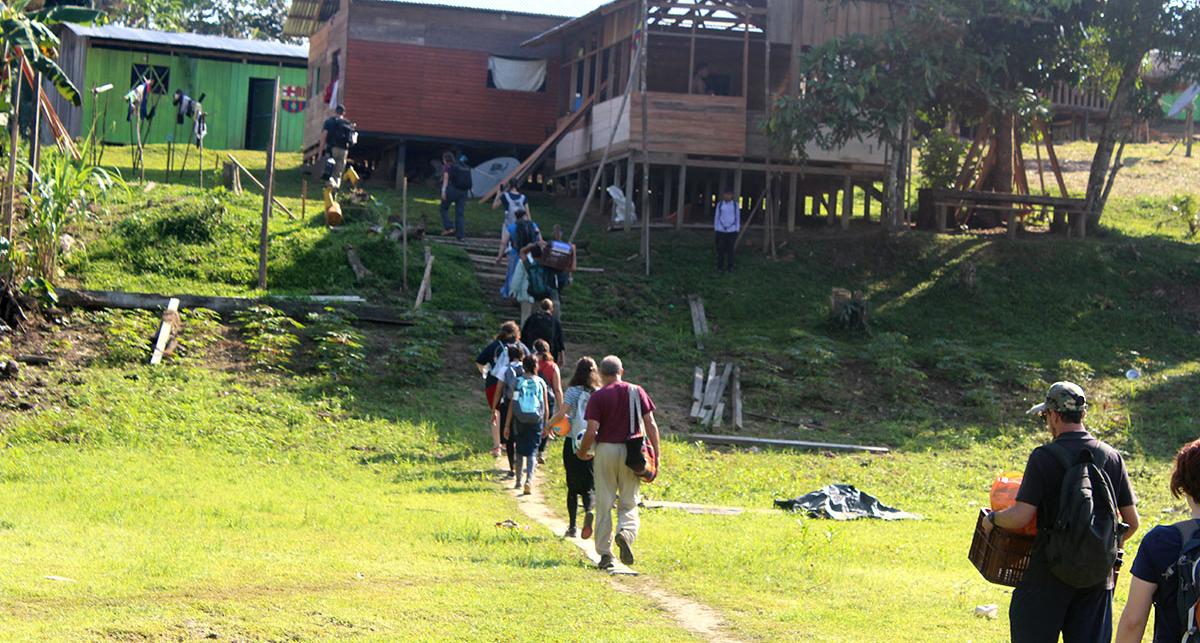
(492, 363)
(580, 481)
(549, 372)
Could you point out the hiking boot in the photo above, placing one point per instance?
(449, 232)
(510, 475)
(587, 525)
(517, 484)
(570, 533)
(626, 551)
(541, 459)
(605, 562)
(526, 491)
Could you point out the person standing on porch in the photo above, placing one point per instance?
(727, 223)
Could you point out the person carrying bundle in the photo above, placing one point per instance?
(1078, 488)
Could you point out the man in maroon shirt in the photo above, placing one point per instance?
(610, 426)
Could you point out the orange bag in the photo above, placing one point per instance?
(1004, 495)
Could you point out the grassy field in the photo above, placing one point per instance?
(209, 497)
(183, 503)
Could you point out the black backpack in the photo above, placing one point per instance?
(524, 235)
(341, 133)
(460, 177)
(1082, 545)
(1179, 581)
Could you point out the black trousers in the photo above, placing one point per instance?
(725, 243)
(1042, 606)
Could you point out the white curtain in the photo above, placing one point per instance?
(517, 75)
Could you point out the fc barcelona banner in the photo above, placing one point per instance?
(294, 98)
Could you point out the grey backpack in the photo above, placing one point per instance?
(1081, 546)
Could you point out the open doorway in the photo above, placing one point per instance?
(259, 105)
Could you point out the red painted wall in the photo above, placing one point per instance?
(440, 93)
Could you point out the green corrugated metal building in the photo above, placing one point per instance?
(235, 77)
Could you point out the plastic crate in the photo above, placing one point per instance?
(1001, 556)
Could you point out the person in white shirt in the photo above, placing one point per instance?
(727, 222)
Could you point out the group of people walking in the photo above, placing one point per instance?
(610, 437)
(1077, 491)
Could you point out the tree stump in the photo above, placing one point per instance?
(232, 178)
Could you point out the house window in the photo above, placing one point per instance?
(159, 74)
(516, 74)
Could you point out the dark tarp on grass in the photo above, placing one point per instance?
(843, 502)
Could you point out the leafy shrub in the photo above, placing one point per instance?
(417, 355)
(1075, 370)
(270, 335)
(810, 354)
(199, 223)
(941, 159)
(955, 361)
(201, 330)
(890, 355)
(1185, 208)
(128, 334)
(339, 348)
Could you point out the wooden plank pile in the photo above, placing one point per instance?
(708, 395)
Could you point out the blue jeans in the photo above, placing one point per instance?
(512, 267)
(459, 199)
(529, 463)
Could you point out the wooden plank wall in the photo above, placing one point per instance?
(440, 93)
(821, 21)
(329, 38)
(701, 125)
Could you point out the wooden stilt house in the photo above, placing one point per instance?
(712, 71)
(419, 78)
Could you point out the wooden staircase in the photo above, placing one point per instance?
(490, 276)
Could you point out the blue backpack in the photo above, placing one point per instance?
(529, 403)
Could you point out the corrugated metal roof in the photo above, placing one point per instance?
(191, 41)
(305, 17)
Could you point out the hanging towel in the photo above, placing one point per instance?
(517, 75)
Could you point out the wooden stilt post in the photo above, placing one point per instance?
(681, 197)
(1191, 130)
(737, 187)
(35, 140)
(867, 201)
(303, 196)
(645, 21)
(667, 193)
(404, 230)
(793, 184)
(847, 202)
(630, 189)
(831, 207)
(10, 182)
(268, 191)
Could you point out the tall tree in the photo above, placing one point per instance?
(972, 57)
(257, 19)
(1133, 37)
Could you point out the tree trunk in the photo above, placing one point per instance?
(1102, 161)
(1002, 174)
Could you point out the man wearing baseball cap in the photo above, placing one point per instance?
(1043, 605)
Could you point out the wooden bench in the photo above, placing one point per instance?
(1072, 210)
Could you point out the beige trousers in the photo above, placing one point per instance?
(615, 482)
(339, 158)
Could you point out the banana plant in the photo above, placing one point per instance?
(28, 35)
